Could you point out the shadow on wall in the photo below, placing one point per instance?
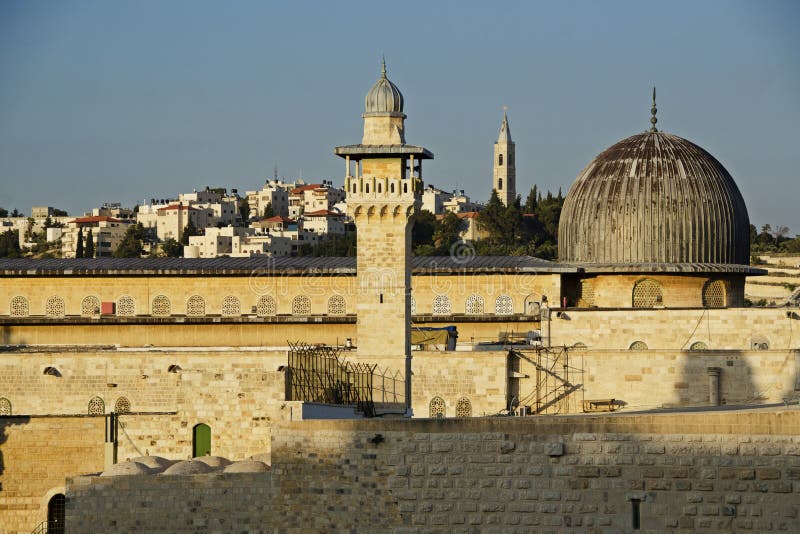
(5, 422)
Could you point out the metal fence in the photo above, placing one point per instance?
(318, 373)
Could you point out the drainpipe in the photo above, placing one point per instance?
(713, 385)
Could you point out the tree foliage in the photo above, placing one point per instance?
(189, 231)
(79, 244)
(269, 211)
(244, 209)
(172, 248)
(88, 249)
(771, 239)
(132, 245)
(9, 244)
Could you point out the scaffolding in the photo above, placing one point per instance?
(557, 380)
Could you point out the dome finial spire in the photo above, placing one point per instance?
(383, 66)
(653, 111)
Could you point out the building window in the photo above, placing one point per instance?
(499, 184)
(474, 305)
(638, 345)
(301, 305)
(441, 305)
(336, 305)
(391, 187)
(647, 294)
(126, 306)
(5, 406)
(463, 407)
(714, 294)
(19, 307)
(97, 406)
(413, 306)
(54, 307)
(698, 346)
(90, 306)
(123, 405)
(265, 306)
(500, 162)
(437, 408)
(504, 305)
(231, 307)
(161, 306)
(196, 306)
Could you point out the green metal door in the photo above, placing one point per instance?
(201, 440)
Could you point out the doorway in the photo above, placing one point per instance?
(201, 440)
(55, 514)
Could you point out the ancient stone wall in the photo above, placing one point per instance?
(714, 472)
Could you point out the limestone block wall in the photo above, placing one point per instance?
(31, 472)
(715, 472)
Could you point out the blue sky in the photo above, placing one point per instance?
(104, 101)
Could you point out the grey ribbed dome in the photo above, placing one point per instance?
(654, 198)
(384, 97)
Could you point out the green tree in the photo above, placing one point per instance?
(132, 243)
(3, 212)
(425, 225)
(268, 211)
(172, 248)
(9, 244)
(17, 213)
(244, 209)
(447, 233)
(189, 231)
(79, 244)
(88, 251)
(59, 213)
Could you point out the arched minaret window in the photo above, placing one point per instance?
(500, 184)
(500, 160)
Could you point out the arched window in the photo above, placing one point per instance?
(301, 305)
(500, 162)
(474, 305)
(698, 346)
(201, 440)
(504, 305)
(437, 408)
(366, 188)
(5, 406)
(123, 405)
(579, 347)
(126, 307)
(499, 184)
(379, 188)
(714, 294)
(196, 306)
(56, 514)
(759, 343)
(413, 306)
(463, 407)
(19, 307)
(54, 307)
(161, 306)
(231, 307)
(391, 187)
(647, 294)
(97, 406)
(90, 306)
(337, 305)
(638, 345)
(441, 305)
(405, 188)
(265, 306)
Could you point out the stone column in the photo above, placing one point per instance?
(713, 385)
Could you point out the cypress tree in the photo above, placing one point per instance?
(88, 251)
(79, 246)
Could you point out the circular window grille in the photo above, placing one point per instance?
(126, 306)
(19, 307)
(123, 405)
(231, 306)
(5, 406)
(714, 294)
(463, 408)
(161, 306)
(54, 307)
(90, 306)
(647, 294)
(413, 306)
(195, 306)
(698, 345)
(97, 406)
(441, 305)
(638, 345)
(504, 305)
(301, 305)
(586, 293)
(265, 306)
(336, 305)
(437, 408)
(474, 305)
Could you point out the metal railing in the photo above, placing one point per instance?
(557, 379)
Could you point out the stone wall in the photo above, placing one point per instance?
(715, 472)
(31, 472)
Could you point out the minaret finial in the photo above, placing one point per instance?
(653, 111)
(383, 66)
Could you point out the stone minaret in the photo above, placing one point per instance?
(384, 189)
(505, 173)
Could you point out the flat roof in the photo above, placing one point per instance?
(379, 151)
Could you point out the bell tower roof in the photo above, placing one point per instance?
(505, 131)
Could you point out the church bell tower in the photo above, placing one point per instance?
(384, 189)
(505, 173)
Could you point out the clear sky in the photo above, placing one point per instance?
(112, 101)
